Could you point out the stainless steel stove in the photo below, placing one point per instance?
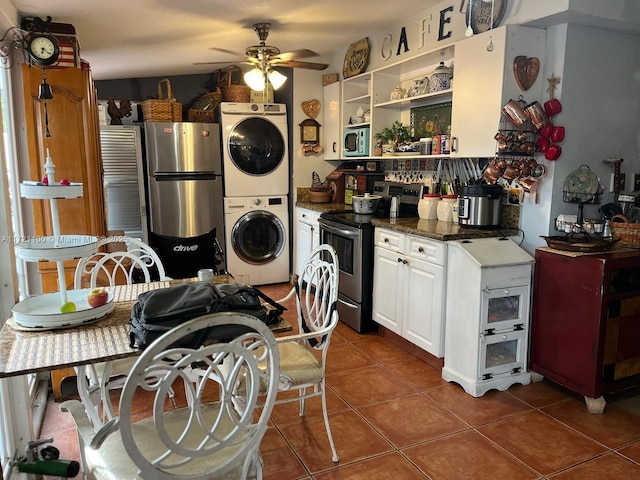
(351, 235)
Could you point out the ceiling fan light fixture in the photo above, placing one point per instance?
(255, 79)
(277, 79)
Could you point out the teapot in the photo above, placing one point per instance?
(440, 78)
(398, 93)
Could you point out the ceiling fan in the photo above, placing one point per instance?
(264, 57)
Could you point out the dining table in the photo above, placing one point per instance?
(27, 350)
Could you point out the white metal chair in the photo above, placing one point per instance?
(207, 438)
(123, 261)
(121, 266)
(316, 298)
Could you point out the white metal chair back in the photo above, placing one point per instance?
(139, 259)
(317, 295)
(316, 299)
(112, 267)
(207, 438)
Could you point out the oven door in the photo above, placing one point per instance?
(348, 244)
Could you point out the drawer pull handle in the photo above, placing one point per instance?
(399, 260)
(420, 249)
(386, 240)
(405, 261)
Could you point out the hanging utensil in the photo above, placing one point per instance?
(438, 177)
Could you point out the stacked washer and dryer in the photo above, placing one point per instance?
(256, 185)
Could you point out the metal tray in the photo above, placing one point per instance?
(568, 244)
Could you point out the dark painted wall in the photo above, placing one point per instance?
(186, 89)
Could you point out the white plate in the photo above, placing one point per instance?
(49, 192)
(63, 247)
(43, 311)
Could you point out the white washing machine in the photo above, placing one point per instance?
(254, 140)
(257, 239)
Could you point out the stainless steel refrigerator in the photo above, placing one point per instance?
(185, 198)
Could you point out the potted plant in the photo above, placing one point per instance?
(394, 135)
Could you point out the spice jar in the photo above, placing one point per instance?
(445, 206)
(428, 206)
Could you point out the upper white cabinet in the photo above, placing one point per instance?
(483, 81)
(332, 126)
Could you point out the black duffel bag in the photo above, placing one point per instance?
(158, 311)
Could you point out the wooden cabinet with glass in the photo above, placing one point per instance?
(71, 119)
(585, 329)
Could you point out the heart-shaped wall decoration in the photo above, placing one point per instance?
(311, 108)
(526, 71)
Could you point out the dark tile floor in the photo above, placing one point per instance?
(393, 416)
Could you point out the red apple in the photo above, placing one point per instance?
(65, 182)
(45, 181)
(97, 297)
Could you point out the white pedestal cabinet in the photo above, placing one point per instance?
(409, 288)
(487, 314)
(307, 235)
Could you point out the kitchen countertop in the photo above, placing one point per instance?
(434, 229)
(437, 230)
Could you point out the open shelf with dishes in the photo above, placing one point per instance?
(64, 308)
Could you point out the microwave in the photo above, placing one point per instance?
(355, 142)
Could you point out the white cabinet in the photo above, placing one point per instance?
(307, 235)
(487, 314)
(484, 81)
(332, 125)
(409, 288)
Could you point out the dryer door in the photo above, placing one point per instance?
(256, 146)
(258, 237)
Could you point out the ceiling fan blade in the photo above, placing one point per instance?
(223, 63)
(294, 54)
(309, 65)
(224, 50)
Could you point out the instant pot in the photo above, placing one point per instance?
(479, 206)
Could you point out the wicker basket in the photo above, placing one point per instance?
(233, 92)
(626, 233)
(204, 109)
(163, 109)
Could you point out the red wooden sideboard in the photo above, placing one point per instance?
(585, 329)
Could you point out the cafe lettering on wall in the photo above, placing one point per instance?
(444, 19)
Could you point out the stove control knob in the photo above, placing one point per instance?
(257, 202)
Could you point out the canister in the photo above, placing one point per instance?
(428, 206)
(425, 146)
(444, 209)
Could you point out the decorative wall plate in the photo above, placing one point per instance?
(311, 108)
(526, 71)
(356, 59)
(480, 16)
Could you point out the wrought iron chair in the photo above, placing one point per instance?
(124, 260)
(205, 439)
(316, 298)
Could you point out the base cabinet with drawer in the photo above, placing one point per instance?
(307, 235)
(409, 288)
(487, 314)
(585, 331)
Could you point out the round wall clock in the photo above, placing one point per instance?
(480, 14)
(43, 49)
